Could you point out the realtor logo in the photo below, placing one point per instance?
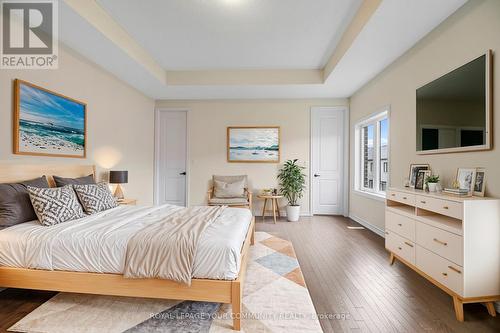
(29, 34)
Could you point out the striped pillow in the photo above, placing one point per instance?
(95, 198)
(55, 205)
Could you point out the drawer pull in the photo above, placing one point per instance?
(454, 269)
(424, 202)
(393, 195)
(445, 274)
(386, 233)
(405, 198)
(399, 247)
(440, 242)
(446, 207)
(400, 224)
(409, 244)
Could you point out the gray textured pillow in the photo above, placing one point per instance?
(229, 190)
(95, 197)
(60, 181)
(15, 204)
(55, 205)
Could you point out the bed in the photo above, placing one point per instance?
(87, 255)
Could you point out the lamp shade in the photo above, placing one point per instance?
(118, 177)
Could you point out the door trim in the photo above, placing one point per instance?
(345, 171)
(157, 152)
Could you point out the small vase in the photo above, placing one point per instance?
(432, 187)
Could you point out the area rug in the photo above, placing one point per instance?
(275, 299)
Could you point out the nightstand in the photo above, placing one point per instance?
(129, 202)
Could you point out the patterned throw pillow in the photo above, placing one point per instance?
(95, 197)
(55, 205)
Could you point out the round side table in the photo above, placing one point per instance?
(274, 203)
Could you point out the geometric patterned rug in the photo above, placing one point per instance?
(275, 299)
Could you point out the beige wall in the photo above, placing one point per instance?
(120, 120)
(466, 34)
(208, 121)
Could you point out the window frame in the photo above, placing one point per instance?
(374, 120)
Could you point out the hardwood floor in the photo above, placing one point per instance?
(348, 275)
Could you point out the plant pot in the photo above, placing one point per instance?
(432, 187)
(292, 213)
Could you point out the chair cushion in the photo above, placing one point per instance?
(231, 179)
(228, 201)
(55, 205)
(15, 204)
(229, 190)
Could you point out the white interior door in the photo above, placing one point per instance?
(171, 154)
(327, 162)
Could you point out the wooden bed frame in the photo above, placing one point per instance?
(220, 291)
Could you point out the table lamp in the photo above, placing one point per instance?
(118, 177)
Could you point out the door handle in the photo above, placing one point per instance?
(182, 173)
(316, 175)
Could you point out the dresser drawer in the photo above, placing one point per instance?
(440, 269)
(444, 243)
(444, 207)
(400, 246)
(408, 199)
(400, 224)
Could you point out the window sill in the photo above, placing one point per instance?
(370, 195)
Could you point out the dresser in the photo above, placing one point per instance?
(454, 242)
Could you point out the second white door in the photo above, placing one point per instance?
(327, 163)
(171, 152)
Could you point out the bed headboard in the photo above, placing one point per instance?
(13, 173)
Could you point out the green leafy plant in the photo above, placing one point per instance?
(292, 181)
(432, 179)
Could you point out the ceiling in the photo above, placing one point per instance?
(229, 34)
(213, 49)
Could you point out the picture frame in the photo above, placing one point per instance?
(47, 123)
(465, 179)
(253, 144)
(480, 182)
(414, 169)
(420, 180)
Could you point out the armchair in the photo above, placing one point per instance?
(242, 201)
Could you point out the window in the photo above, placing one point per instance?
(372, 154)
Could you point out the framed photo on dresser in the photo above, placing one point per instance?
(480, 182)
(414, 170)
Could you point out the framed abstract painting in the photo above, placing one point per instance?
(253, 144)
(47, 123)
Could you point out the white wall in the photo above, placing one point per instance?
(469, 32)
(208, 121)
(120, 120)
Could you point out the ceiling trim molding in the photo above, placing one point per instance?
(105, 24)
(245, 77)
(363, 15)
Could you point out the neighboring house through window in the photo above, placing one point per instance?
(372, 154)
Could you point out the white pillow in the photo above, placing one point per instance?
(55, 205)
(229, 190)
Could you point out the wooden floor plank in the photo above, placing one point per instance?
(347, 272)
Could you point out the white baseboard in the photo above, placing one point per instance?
(368, 225)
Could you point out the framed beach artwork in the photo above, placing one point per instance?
(47, 123)
(253, 144)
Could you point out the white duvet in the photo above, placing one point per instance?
(98, 243)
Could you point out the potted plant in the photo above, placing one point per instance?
(431, 182)
(292, 183)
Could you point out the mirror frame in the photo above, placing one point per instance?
(489, 112)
